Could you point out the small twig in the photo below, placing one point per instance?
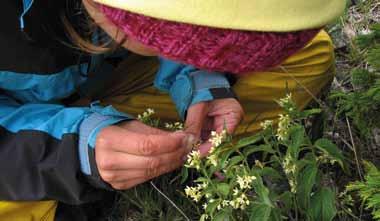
(354, 149)
(170, 201)
(348, 144)
(305, 88)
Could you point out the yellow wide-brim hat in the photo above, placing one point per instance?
(252, 15)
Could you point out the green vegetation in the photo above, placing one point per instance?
(309, 167)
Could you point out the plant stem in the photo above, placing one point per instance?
(170, 201)
(354, 149)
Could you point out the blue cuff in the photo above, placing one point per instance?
(195, 87)
(91, 126)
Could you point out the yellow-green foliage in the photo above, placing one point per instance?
(369, 190)
(362, 104)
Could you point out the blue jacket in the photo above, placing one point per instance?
(46, 147)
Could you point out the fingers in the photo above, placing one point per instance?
(195, 118)
(229, 122)
(125, 158)
(125, 141)
(205, 148)
(124, 185)
(125, 177)
(108, 160)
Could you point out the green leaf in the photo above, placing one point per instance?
(203, 217)
(222, 216)
(211, 207)
(248, 140)
(260, 212)
(307, 113)
(235, 160)
(322, 207)
(223, 188)
(224, 156)
(271, 173)
(305, 182)
(262, 148)
(275, 215)
(297, 137)
(184, 174)
(287, 199)
(261, 191)
(331, 150)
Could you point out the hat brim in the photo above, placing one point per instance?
(252, 15)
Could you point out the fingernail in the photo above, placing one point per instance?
(188, 142)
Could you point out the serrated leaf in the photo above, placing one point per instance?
(260, 212)
(305, 182)
(322, 206)
(331, 150)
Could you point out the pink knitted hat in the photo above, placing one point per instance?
(213, 49)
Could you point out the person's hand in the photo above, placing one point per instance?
(216, 115)
(132, 153)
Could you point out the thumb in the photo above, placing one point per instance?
(196, 117)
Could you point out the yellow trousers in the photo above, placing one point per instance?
(304, 74)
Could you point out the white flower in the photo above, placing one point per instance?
(293, 185)
(283, 126)
(286, 100)
(217, 139)
(174, 126)
(259, 164)
(235, 192)
(219, 207)
(240, 202)
(245, 181)
(150, 111)
(288, 166)
(204, 185)
(204, 206)
(146, 114)
(194, 160)
(194, 193)
(213, 160)
(266, 124)
(224, 203)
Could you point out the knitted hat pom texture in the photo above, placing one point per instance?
(212, 49)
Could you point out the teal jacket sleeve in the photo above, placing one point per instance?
(188, 85)
(47, 150)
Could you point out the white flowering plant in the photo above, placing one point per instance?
(279, 173)
(276, 174)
